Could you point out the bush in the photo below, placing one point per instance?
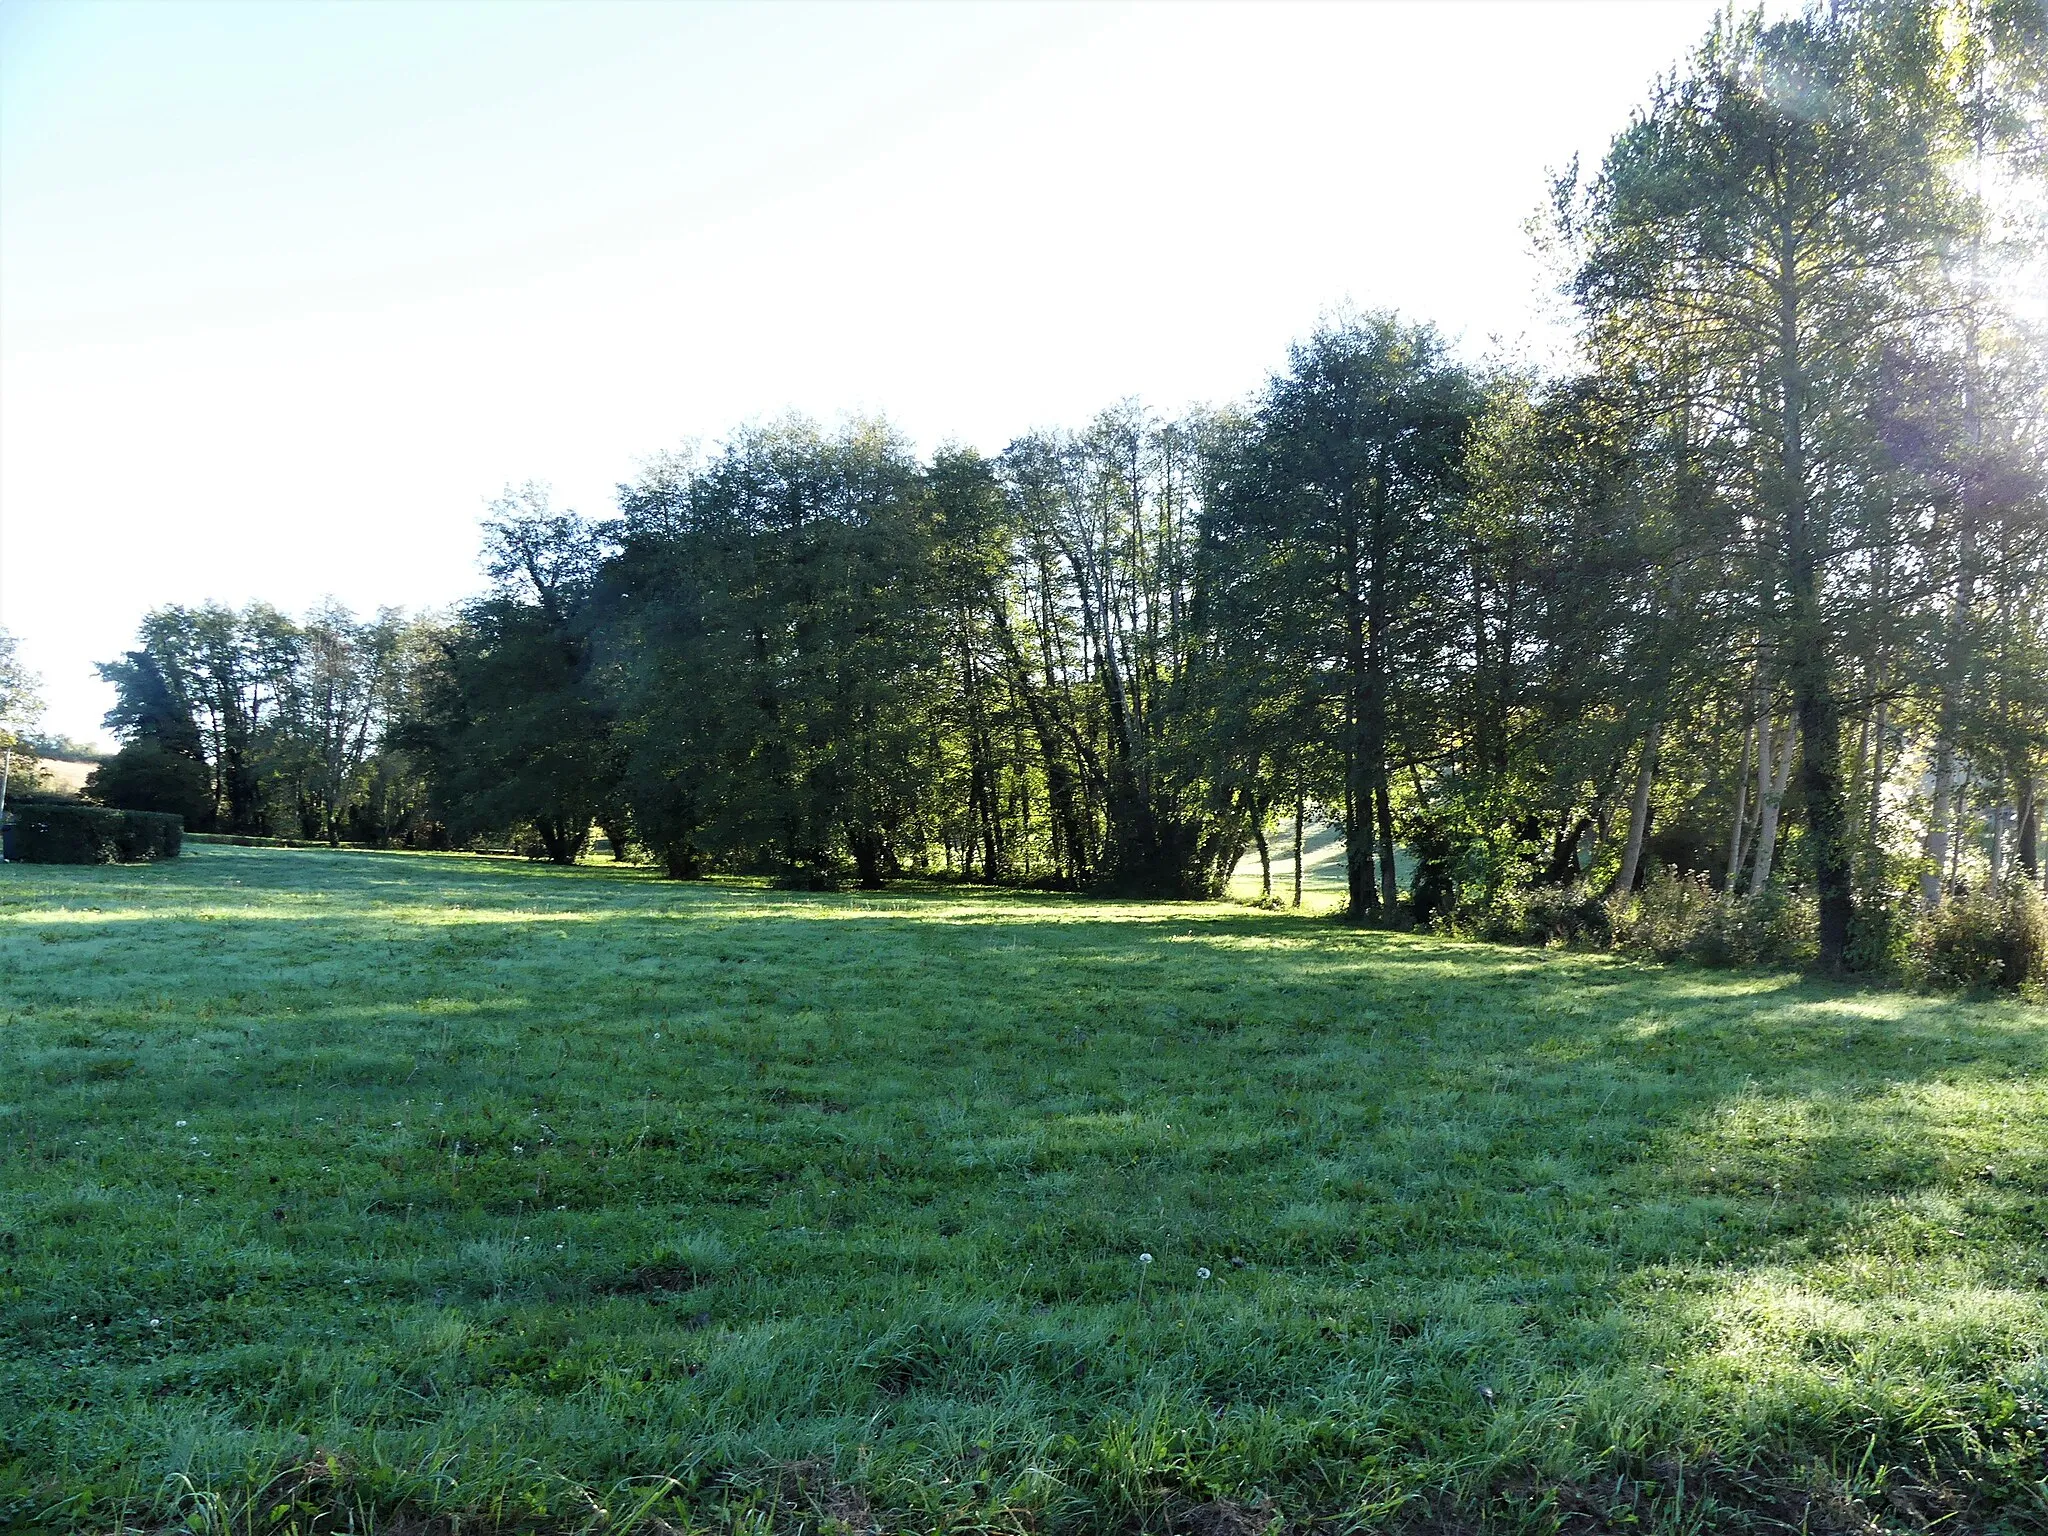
(1548, 914)
(1666, 916)
(1779, 926)
(1881, 932)
(1985, 940)
(56, 832)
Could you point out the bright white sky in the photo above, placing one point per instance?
(288, 291)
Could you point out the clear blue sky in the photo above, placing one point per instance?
(286, 291)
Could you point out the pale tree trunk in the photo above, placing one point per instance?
(2027, 845)
(1996, 826)
(1875, 809)
(1772, 780)
(1936, 848)
(1639, 812)
(1944, 841)
(1945, 812)
(1958, 806)
(1265, 865)
(1735, 837)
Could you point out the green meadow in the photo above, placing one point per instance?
(349, 1191)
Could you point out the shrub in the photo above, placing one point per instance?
(1985, 940)
(1779, 926)
(1881, 933)
(1548, 914)
(1666, 916)
(56, 832)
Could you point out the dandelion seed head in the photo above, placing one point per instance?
(1144, 1258)
(1201, 1274)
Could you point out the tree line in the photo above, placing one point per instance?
(250, 722)
(1754, 591)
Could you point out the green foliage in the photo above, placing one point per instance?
(1544, 914)
(1681, 916)
(512, 723)
(1993, 940)
(1778, 927)
(21, 700)
(1881, 938)
(286, 720)
(49, 831)
(829, 660)
(507, 1191)
(145, 776)
(1975, 941)
(1667, 917)
(1333, 563)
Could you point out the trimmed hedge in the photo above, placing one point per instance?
(251, 840)
(49, 832)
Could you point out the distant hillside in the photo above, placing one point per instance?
(45, 774)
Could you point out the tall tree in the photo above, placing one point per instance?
(1343, 493)
(1775, 217)
(511, 720)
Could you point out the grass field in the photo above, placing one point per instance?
(412, 1191)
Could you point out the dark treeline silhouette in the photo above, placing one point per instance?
(1755, 593)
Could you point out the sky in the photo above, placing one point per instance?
(289, 292)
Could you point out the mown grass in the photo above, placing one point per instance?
(373, 1190)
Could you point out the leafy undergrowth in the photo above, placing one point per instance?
(427, 1193)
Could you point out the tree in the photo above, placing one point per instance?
(21, 703)
(340, 701)
(145, 776)
(1754, 241)
(1342, 493)
(205, 684)
(510, 722)
(773, 622)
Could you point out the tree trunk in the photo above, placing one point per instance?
(2027, 835)
(1958, 807)
(1300, 811)
(1995, 830)
(1639, 812)
(1817, 710)
(868, 850)
(1735, 837)
(1265, 865)
(1360, 886)
(1772, 780)
(1390, 874)
(1361, 890)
